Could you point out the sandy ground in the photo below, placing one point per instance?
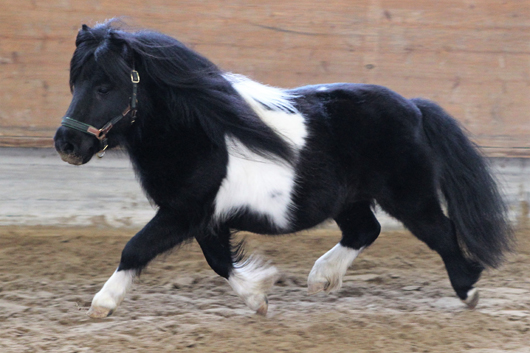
(395, 298)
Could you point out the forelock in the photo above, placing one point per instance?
(108, 47)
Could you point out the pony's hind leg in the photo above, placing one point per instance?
(438, 232)
(359, 229)
(250, 279)
(162, 233)
(423, 216)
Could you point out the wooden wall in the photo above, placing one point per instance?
(471, 56)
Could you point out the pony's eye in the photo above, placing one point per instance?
(104, 89)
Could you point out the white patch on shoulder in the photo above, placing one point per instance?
(326, 274)
(274, 106)
(322, 89)
(261, 185)
(113, 292)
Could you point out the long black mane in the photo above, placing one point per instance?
(191, 87)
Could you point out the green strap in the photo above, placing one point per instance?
(79, 126)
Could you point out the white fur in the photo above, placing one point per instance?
(322, 88)
(259, 184)
(254, 182)
(114, 290)
(281, 114)
(472, 298)
(272, 97)
(251, 281)
(329, 269)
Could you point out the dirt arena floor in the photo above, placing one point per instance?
(395, 298)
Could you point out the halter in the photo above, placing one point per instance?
(101, 134)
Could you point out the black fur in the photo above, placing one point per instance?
(365, 144)
(473, 200)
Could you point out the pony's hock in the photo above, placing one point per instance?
(219, 152)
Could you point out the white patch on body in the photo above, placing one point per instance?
(112, 293)
(262, 185)
(257, 183)
(251, 281)
(274, 106)
(329, 269)
(322, 88)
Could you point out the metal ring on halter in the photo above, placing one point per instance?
(101, 153)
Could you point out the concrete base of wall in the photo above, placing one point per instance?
(38, 189)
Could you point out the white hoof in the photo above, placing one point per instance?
(472, 298)
(317, 287)
(103, 304)
(262, 310)
(97, 312)
(257, 302)
(251, 281)
(317, 284)
(326, 275)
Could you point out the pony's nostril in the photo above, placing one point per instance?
(68, 148)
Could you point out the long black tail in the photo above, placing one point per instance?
(473, 200)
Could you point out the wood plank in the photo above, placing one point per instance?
(470, 57)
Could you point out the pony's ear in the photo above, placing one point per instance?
(80, 34)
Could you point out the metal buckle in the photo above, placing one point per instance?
(94, 131)
(135, 76)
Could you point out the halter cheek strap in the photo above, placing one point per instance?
(101, 134)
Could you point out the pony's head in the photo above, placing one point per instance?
(100, 81)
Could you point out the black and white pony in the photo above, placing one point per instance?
(218, 152)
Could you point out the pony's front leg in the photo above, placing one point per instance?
(162, 233)
(250, 279)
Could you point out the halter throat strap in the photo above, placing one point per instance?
(101, 134)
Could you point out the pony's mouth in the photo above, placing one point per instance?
(72, 158)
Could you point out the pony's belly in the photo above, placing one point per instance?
(251, 222)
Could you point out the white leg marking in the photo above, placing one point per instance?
(326, 274)
(472, 298)
(111, 295)
(251, 281)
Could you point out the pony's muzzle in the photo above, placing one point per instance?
(71, 148)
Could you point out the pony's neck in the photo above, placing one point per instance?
(158, 138)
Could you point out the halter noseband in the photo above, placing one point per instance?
(101, 134)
